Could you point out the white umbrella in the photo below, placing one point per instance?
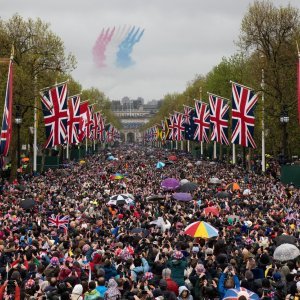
(198, 163)
(286, 252)
(183, 181)
(214, 180)
(119, 200)
(246, 192)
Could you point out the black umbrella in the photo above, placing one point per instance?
(155, 198)
(223, 195)
(188, 187)
(285, 239)
(139, 230)
(27, 203)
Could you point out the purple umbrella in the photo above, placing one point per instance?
(170, 184)
(182, 196)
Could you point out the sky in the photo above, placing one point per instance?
(182, 38)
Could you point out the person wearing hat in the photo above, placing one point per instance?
(184, 293)
(177, 264)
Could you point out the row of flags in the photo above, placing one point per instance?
(207, 122)
(68, 120)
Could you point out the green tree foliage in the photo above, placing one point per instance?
(267, 40)
(102, 103)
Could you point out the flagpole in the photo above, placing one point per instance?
(188, 145)
(215, 150)
(86, 146)
(263, 149)
(68, 155)
(35, 128)
(233, 153)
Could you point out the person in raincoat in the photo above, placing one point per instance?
(112, 292)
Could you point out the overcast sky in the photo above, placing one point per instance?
(182, 38)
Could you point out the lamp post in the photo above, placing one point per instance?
(18, 121)
(284, 119)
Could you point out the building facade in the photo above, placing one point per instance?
(133, 114)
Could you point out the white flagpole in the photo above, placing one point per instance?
(86, 146)
(68, 154)
(263, 146)
(215, 150)
(35, 130)
(181, 142)
(202, 149)
(94, 145)
(188, 145)
(233, 154)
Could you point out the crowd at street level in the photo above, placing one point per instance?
(116, 252)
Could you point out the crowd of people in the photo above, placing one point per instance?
(139, 249)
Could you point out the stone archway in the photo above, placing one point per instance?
(130, 137)
(122, 136)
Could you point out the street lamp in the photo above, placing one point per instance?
(284, 119)
(18, 121)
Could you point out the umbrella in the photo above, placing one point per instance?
(201, 229)
(286, 252)
(246, 192)
(155, 198)
(160, 165)
(139, 230)
(233, 218)
(182, 196)
(235, 294)
(285, 239)
(82, 162)
(116, 176)
(183, 181)
(172, 158)
(214, 180)
(169, 163)
(111, 157)
(198, 163)
(223, 195)
(119, 200)
(170, 184)
(25, 159)
(232, 186)
(27, 203)
(188, 187)
(211, 210)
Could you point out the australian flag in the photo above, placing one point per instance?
(6, 129)
(190, 126)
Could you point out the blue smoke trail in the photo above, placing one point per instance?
(126, 46)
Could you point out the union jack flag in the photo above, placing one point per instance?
(94, 131)
(73, 119)
(101, 128)
(83, 109)
(243, 120)
(219, 119)
(6, 128)
(99, 123)
(109, 133)
(58, 221)
(201, 121)
(90, 122)
(178, 126)
(186, 112)
(54, 105)
(163, 130)
(171, 128)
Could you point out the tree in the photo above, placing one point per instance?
(39, 59)
(269, 34)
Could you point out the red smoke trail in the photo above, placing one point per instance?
(100, 46)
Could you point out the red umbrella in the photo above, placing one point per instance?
(172, 158)
(212, 210)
